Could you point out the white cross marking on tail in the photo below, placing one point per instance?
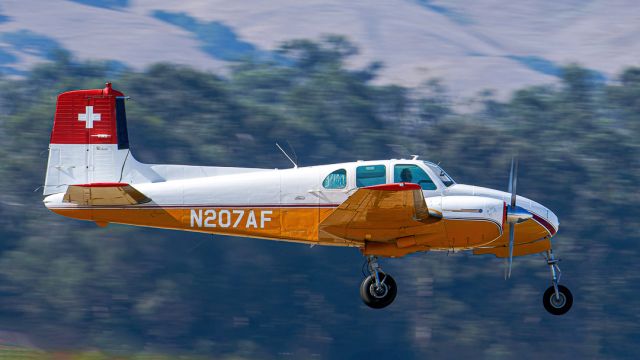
(89, 117)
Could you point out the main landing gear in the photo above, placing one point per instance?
(377, 290)
(557, 300)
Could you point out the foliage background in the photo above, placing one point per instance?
(65, 284)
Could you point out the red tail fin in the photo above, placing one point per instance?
(89, 141)
(90, 117)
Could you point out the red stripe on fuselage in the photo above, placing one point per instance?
(198, 206)
(542, 221)
(101, 185)
(394, 187)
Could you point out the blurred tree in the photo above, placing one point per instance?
(433, 104)
(624, 99)
(70, 284)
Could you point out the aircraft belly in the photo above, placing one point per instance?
(518, 250)
(526, 232)
(278, 223)
(469, 233)
(301, 224)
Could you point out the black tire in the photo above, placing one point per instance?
(381, 298)
(554, 306)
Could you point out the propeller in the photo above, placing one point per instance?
(515, 214)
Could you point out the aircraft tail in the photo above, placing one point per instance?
(90, 146)
(89, 141)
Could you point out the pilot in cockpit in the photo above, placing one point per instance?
(405, 175)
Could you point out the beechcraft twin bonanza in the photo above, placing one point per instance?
(387, 208)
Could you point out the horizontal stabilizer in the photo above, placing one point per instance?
(104, 194)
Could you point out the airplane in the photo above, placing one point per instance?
(384, 208)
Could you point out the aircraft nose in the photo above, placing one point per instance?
(553, 219)
(540, 213)
(545, 217)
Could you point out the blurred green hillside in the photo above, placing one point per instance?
(69, 285)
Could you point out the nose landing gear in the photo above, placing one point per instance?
(557, 299)
(378, 290)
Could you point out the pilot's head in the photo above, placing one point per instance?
(405, 175)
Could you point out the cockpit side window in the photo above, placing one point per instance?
(336, 180)
(370, 175)
(413, 174)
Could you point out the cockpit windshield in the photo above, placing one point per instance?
(442, 175)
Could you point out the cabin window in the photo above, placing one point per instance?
(371, 175)
(413, 174)
(336, 180)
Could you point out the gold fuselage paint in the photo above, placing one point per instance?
(299, 224)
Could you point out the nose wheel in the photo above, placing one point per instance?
(557, 299)
(378, 290)
(557, 304)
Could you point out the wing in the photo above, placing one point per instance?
(379, 213)
(104, 194)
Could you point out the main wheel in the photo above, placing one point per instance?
(560, 305)
(381, 296)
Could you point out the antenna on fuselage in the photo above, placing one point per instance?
(287, 155)
(293, 150)
(414, 157)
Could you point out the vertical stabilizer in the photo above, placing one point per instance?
(89, 141)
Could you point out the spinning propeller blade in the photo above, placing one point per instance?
(513, 182)
(512, 229)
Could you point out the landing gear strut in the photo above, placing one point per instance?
(377, 290)
(557, 300)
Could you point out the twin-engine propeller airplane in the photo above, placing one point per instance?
(386, 208)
